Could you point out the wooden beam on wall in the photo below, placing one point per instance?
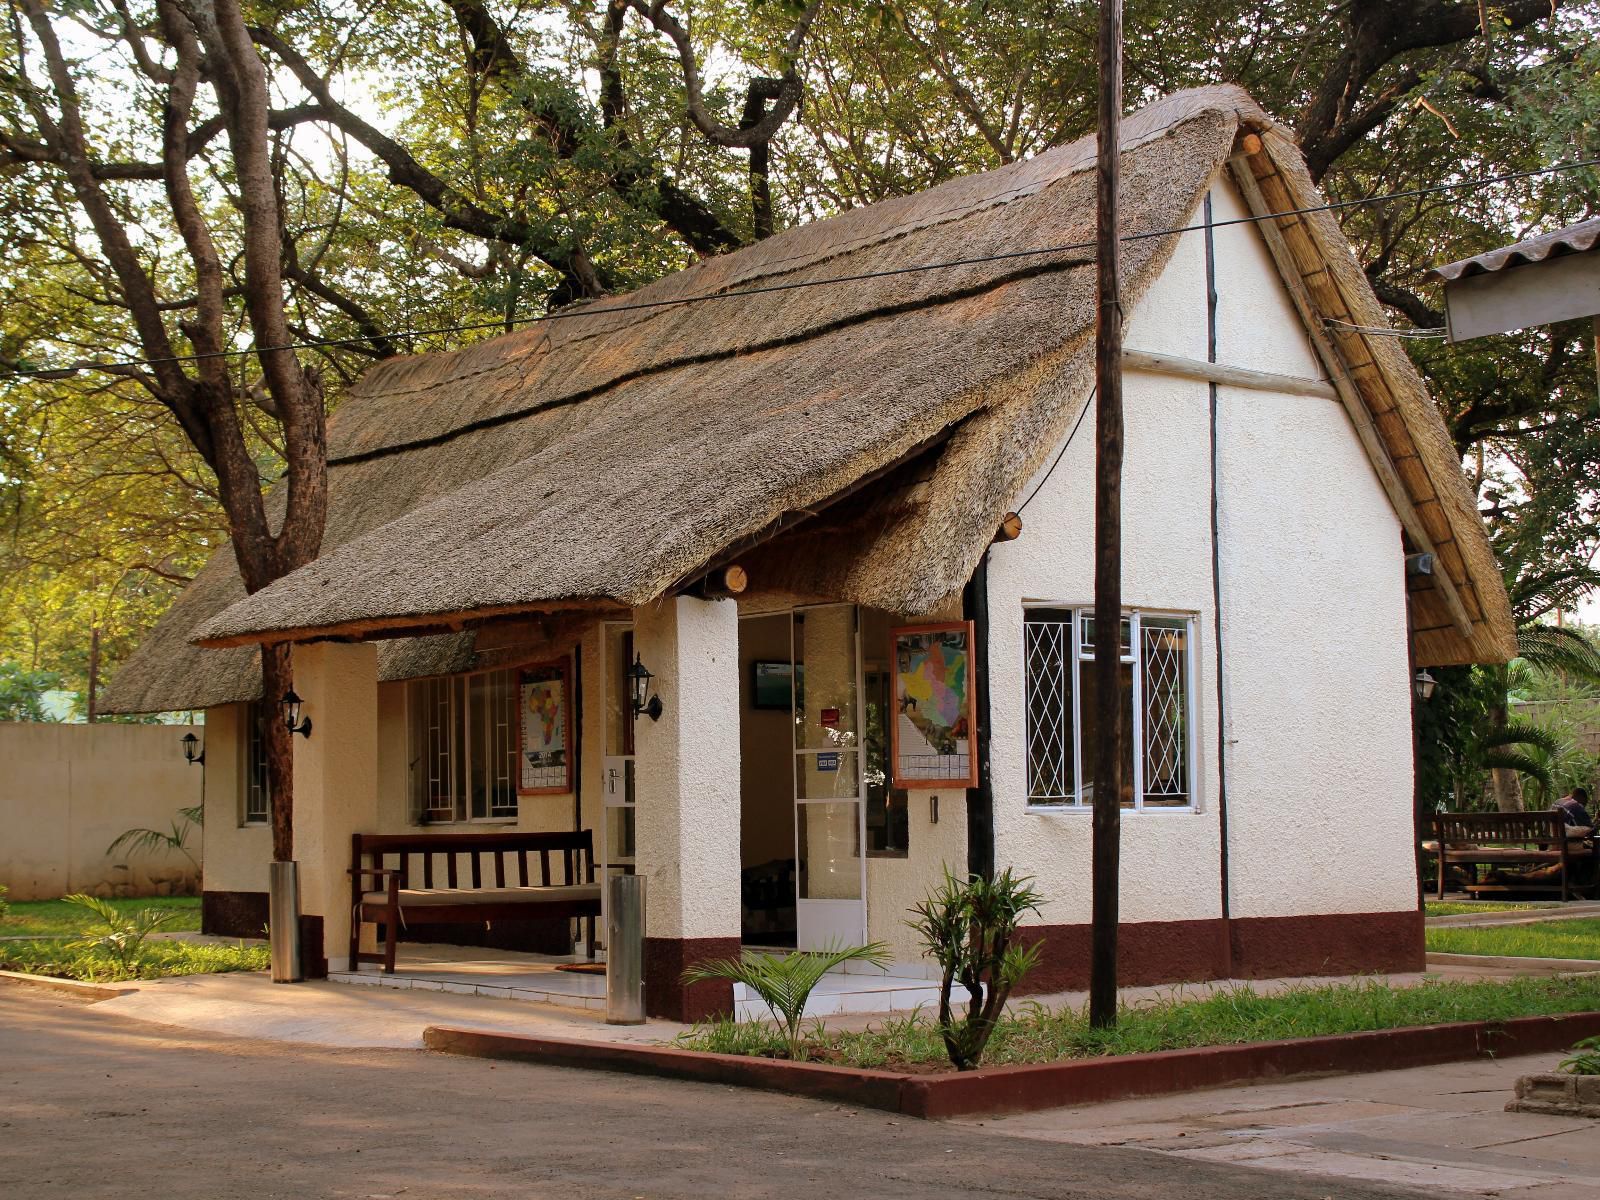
(1243, 377)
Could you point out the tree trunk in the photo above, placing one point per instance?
(276, 678)
(1505, 786)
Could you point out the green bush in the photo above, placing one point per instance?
(970, 930)
(1584, 1059)
(785, 981)
(114, 932)
(5, 905)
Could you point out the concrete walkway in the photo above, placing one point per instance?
(1440, 1128)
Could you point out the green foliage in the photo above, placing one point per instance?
(970, 930)
(784, 981)
(59, 919)
(116, 933)
(22, 693)
(1453, 908)
(155, 841)
(1577, 939)
(1234, 1015)
(5, 904)
(1584, 1058)
(157, 961)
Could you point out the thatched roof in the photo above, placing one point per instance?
(608, 458)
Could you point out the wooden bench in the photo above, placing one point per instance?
(1497, 839)
(394, 876)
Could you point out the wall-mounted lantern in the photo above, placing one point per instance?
(639, 678)
(1425, 683)
(193, 751)
(291, 715)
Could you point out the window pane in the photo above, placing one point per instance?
(829, 851)
(619, 695)
(887, 826)
(1086, 646)
(825, 660)
(1090, 727)
(257, 795)
(827, 775)
(431, 796)
(502, 743)
(1165, 679)
(1047, 659)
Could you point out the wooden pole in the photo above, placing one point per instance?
(92, 705)
(1108, 700)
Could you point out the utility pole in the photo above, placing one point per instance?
(1108, 698)
(92, 707)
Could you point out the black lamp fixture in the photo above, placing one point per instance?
(639, 678)
(193, 752)
(1425, 683)
(291, 715)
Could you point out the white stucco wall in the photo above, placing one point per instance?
(67, 791)
(688, 769)
(236, 854)
(1319, 755)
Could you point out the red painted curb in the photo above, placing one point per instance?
(1011, 1089)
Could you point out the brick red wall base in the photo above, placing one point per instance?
(1151, 952)
(244, 914)
(665, 993)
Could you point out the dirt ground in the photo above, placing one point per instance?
(93, 1105)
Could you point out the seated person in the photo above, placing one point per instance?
(1574, 808)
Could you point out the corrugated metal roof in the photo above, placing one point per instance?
(1574, 239)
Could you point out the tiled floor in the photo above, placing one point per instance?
(508, 975)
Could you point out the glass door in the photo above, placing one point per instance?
(830, 877)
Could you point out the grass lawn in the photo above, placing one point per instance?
(1230, 1017)
(1448, 908)
(57, 918)
(1577, 938)
(58, 926)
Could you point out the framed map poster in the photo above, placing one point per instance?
(544, 729)
(933, 739)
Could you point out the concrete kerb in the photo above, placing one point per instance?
(1013, 1089)
(70, 987)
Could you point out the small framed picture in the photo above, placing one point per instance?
(934, 730)
(545, 728)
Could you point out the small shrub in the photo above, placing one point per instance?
(784, 981)
(118, 935)
(5, 905)
(1584, 1059)
(970, 930)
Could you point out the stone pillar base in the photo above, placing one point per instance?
(665, 993)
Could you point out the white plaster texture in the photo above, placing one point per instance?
(895, 884)
(1319, 758)
(688, 769)
(335, 779)
(236, 854)
(67, 791)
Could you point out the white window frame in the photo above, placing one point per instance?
(253, 750)
(459, 690)
(1078, 653)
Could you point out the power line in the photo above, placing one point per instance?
(795, 285)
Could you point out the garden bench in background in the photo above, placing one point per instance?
(394, 876)
(1528, 839)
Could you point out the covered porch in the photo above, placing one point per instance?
(757, 803)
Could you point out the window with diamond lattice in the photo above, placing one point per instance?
(1058, 659)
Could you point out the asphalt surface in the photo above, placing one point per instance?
(94, 1105)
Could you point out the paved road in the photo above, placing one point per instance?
(93, 1105)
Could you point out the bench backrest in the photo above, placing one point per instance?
(477, 860)
(1500, 828)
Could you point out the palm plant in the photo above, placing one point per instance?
(118, 934)
(1525, 748)
(154, 841)
(970, 929)
(1535, 592)
(785, 981)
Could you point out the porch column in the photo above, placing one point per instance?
(335, 789)
(687, 786)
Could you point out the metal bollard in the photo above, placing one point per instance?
(625, 950)
(283, 920)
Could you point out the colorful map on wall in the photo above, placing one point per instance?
(934, 719)
(544, 728)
